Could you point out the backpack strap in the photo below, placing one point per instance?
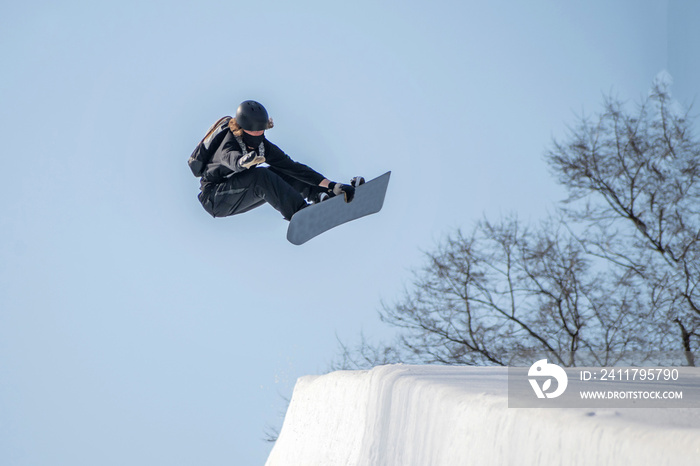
(215, 130)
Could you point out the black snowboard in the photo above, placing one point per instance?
(315, 219)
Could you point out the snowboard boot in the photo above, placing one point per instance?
(317, 197)
(357, 181)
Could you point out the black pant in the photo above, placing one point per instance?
(252, 188)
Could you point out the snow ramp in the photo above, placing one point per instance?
(445, 415)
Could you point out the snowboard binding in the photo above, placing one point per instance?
(318, 197)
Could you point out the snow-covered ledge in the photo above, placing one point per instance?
(436, 415)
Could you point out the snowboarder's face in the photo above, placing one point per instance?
(255, 133)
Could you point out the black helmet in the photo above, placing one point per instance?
(252, 116)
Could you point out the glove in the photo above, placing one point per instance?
(337, 189)
(250, 159)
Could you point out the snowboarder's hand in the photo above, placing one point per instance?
(250, 159)
(345, 189)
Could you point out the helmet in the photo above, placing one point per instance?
(252, 116)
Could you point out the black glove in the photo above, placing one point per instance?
(337, 189)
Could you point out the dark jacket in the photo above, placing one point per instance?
(224, 163)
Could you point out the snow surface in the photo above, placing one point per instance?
(437, 415)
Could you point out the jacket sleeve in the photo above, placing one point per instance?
(279, 160)
(224, 162)
(230, 152)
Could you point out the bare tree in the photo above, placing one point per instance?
(365, 354)
(615, 273)
(633, 182)
(494, 296)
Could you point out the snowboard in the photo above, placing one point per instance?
(318, 218)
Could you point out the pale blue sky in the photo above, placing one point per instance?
(134, 328)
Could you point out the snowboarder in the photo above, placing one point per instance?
(234, 182)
